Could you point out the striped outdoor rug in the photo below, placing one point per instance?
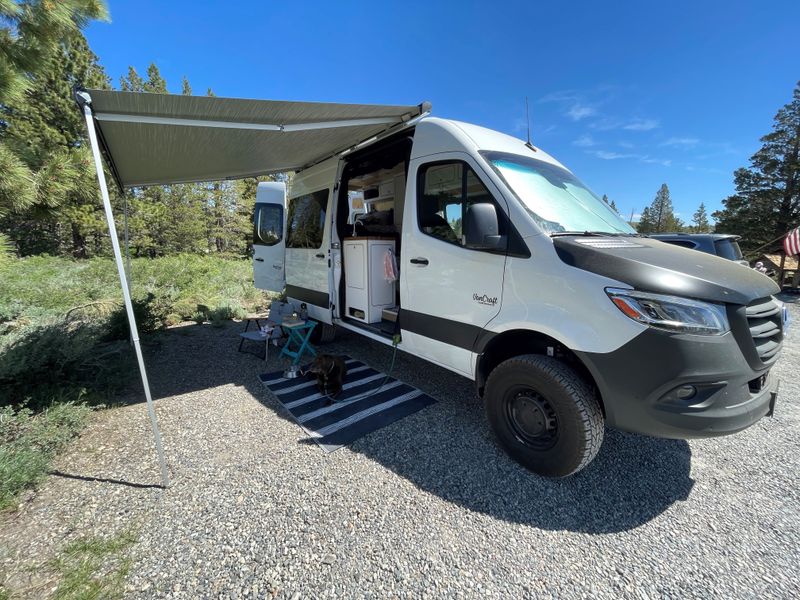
(358, 410)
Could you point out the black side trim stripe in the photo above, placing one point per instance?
(455, 333)
(308, 296)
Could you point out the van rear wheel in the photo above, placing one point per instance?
(544, 414)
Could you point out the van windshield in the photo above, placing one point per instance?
(554, 197)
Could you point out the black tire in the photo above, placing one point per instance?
(544, 414)
(323, 334)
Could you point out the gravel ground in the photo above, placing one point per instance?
(427, 507)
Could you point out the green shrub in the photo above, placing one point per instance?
(226, 312)
(151, 314)
(63, 324)
(46, 286)
(6, 249)
(28, 443)
(59, 352)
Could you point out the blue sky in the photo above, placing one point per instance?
(629, 95)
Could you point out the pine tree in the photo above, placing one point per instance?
(605, 198)
(645, 224)
(659, 216)
(44, 136)
(186, 89)
(614, 207)
(155, 83)
(32, 32)
(132, 83)
(700, 220)
(766, 204)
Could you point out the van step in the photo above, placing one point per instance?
(389, 314)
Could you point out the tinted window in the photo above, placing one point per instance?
(268, 224)
(728, 249)
(446, 191)
(306, 221)
(681, 243)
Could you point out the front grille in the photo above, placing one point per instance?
(766, 328)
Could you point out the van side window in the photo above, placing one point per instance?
(267, 225)
(446, 190)
(306, 221)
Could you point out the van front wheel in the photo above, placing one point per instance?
(544, 414)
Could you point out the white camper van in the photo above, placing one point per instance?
(512, 273)
(474, 251)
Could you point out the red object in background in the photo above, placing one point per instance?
(791, 243)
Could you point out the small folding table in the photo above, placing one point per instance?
(299, 334)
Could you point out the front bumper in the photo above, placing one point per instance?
(639, 385)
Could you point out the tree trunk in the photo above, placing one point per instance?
(78, 242)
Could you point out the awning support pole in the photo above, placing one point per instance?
(112, 229)
(127, 246)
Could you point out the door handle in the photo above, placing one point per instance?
(419, 261)
(320, 255)
(260, 259)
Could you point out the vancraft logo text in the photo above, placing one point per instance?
(484, 299)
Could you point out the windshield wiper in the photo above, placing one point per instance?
(591, 233)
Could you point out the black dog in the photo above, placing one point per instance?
(330, 372)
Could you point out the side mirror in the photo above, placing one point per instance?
(481, 228)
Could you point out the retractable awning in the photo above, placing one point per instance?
(151, 139)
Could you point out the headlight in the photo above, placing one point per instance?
(672, 313)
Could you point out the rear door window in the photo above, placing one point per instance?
(268, 224)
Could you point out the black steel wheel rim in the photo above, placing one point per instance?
(531, 418)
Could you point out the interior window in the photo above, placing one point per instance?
(268, 224)
(447, 190)
(306, 221)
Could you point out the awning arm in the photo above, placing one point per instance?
(84, 100)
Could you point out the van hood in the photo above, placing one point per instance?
(649, 265)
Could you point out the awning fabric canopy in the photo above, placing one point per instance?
(151, 139)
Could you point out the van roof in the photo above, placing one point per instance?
(489, 139)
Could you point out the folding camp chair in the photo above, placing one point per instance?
(270, 325)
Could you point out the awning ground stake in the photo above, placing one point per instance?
(85, 102)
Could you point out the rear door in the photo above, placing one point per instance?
(269, 246)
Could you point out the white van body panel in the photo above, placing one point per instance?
(555, 299)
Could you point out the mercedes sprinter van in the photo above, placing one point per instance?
(486, 256)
